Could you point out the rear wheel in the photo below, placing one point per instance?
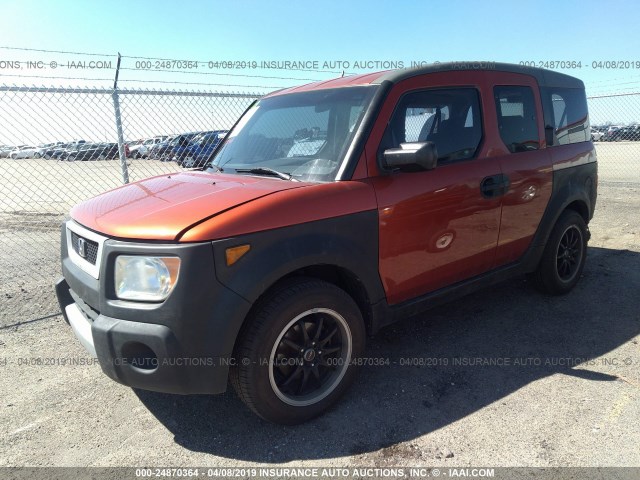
(564, 255)
(294, 358)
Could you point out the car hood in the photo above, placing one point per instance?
(165, 207)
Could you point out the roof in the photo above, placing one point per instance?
(545, 78)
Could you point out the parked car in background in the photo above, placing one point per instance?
(629, 133)
(61, 150)
(143, 150)
(171, 147)
(71, 152)
(23, 152)
(43, 147)
(610, 133)
(133, 147)
(201, 148)
(5, 150)
(178, 148)
(56, 150)
(158, 150)
(596, 135)
(92, 151)
(633, 133)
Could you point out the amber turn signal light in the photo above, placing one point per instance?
(235, 253)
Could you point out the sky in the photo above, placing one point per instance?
(242, 46)
(323, 31)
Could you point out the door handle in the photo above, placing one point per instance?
(494, 185)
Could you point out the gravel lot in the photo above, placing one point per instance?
(563, 390)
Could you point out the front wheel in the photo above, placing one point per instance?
(295, 356)
(564, 255)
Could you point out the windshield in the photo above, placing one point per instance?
(305, 135)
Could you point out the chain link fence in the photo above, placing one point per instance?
(60, 146)
(615, 122)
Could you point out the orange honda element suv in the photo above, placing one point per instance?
(329, 211)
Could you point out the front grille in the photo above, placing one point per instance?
(90, 253)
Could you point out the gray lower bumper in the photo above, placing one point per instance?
(81, 327)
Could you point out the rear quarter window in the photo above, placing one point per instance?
(565, 111)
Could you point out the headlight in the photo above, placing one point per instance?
(145, 279)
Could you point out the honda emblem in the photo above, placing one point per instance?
(81, 245)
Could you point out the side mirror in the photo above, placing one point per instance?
(422, 154)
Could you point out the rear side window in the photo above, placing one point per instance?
(566, 112)
(448, 117)
(517, 120)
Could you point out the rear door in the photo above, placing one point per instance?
(524, 161)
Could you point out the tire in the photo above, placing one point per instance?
(14, 157)
(564, 255)
(305, 314)
(47, 156)
(36, 155)
(71, 158)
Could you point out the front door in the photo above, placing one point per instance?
(441, 226)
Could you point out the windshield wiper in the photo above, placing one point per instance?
(267, 171)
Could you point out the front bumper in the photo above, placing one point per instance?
(182, 345)
(81, 327)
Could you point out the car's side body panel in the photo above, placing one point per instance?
(436, 227)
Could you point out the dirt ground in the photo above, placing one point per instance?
(505, 377)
